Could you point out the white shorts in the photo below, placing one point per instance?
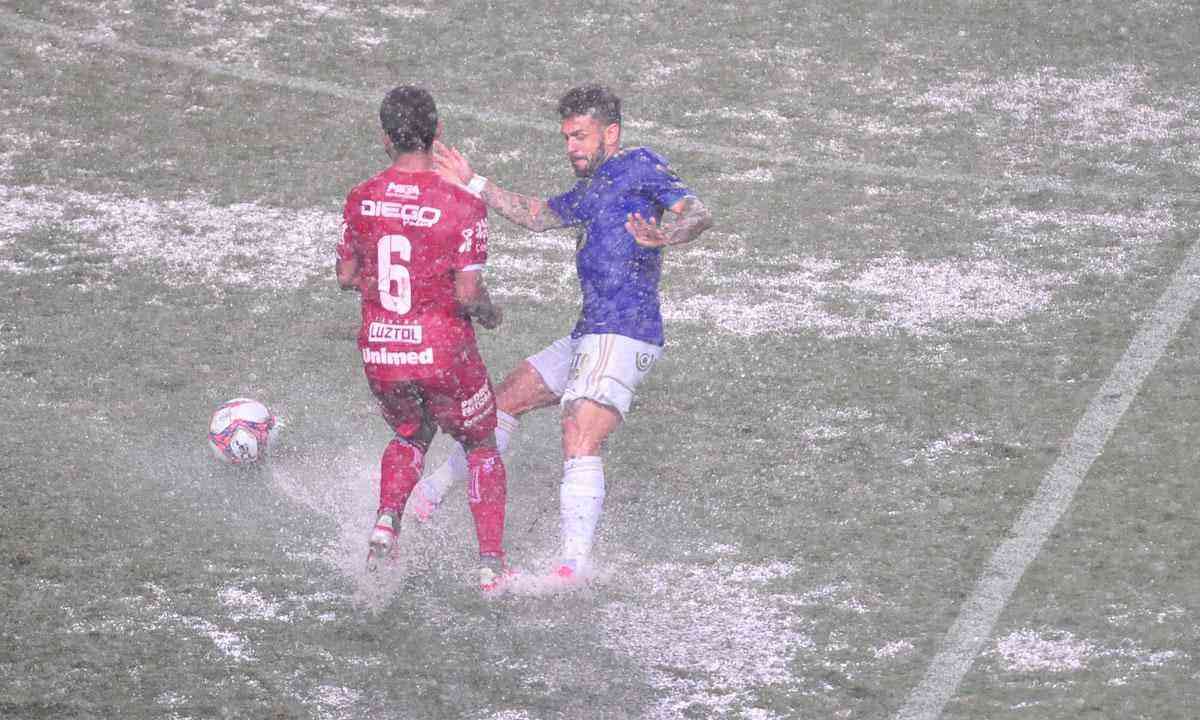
(604, 368)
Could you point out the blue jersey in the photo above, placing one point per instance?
(618, 277)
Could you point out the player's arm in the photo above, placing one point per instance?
(347, 266)
(474, 300)
(525, 210)
(347, 273)
(691, 219)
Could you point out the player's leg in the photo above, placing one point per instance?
(537, 382)
(402, 407)
(432, 489)
(586, 424)
(465, 408)
(605, 371)
(487, 493)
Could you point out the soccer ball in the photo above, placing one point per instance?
(241, 431)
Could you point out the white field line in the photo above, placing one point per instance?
(13, 21)
(1033, 183)
(978, 616)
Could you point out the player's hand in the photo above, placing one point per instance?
(646, 233)
(492, 319)
(450, 163)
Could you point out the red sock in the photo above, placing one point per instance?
(399, 471)
(487, 490)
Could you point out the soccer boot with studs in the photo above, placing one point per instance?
(495, 576)
(383, 539)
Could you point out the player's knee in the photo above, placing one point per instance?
(420, 436)
(406, 452)
(400, 470)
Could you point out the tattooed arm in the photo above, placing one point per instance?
(692, 218)
(524, 210)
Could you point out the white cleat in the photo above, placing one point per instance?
(383, 540)
(495, 576)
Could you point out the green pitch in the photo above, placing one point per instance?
(940, 227)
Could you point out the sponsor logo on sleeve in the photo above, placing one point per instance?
(466, 243)
(383, 357)
(378, 332)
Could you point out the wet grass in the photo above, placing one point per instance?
(794, 498)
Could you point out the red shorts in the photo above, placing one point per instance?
(459, 399)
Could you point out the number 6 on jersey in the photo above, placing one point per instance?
(395, 286)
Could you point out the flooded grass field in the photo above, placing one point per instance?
(947, 256)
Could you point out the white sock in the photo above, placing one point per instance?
(581, 500)
(437, 482)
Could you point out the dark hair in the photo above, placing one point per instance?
(591, 99)
(409, 117)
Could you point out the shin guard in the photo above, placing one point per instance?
(487, 490)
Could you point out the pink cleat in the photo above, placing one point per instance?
(420, 505)
(568, 575)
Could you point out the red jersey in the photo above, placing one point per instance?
(410, 232)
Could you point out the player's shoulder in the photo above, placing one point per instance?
(366, 187)
(642, 162)
(644, 157)
(459, 194)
